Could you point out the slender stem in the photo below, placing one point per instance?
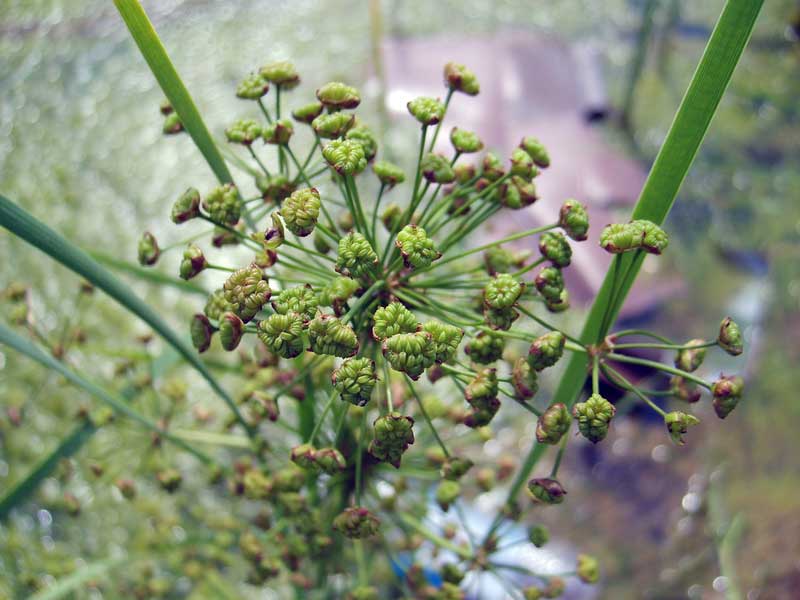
(220, 267)
(258, 160)
(629, 386)
(318, 425)
(547, 325)
(657, 365)
(417, 526)
(376, 210)
(362, 299)
(642, 332)
(439, 124)
(265, 111)
(665, 346)
(596, 374)
(413, 389)
(359, 456)
(309, 251)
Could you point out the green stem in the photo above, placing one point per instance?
(624, 358)
(258, 160)
(439, 124)
(427, 418)
(629, 386)
(318, 425)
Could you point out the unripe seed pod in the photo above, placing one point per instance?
(550, 283)
(388, 174)
(338, 95)
(247, 290)
(588, 569)
(169, 479)
(393, 435)
(538, 535)
(345, 156)
(678, 424)
(417, 249)
(301, 300)
(485, 479)
(492, 167)
(308, 112)
(536, 150)
(201, 331)
(410, 353)
(305, 457)
(355, 379)
(275, 235)
(553, 424)
(356, 256)
(730, 337)
(282, 334)
(252, 87)
(500, 319)
(172, 124)
(454, 468)
(223, 204)
(230, 331)
(393, 319)
(217, 304)
(447, 493)
(522, 165)
(301, 210)
(186, 207)
(546, 350)
(428, 111)
(465, 142)
(485, 348)
(555, 248)
(689, 359)
(593, 417)
(356, 523)
(574, 220)
(193, 262)
(391, 217)
(127, 488)
(337, 292)
(243, 131)
(558, 306)
(459, 78)
(684, 389)
(524, 379)
(333, 126)
(278, 132)
(727, 392)
(498, 260)
(452, 574)
(445, 337)
(329, 335)
(482, 391)
(364, 136)
(464, 173)
(436, 168)
(502, 291)
(281, 73)
(148, 249)
(546, 490)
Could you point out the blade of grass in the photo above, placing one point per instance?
(36, 233)
(149, 275)
(24, 346)
(66, 586)
(725, 46)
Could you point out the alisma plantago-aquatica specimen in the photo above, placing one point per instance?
(357, 296)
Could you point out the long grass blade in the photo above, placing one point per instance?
(36, 233)
(725, 46)
(24, 346)
(154, 53)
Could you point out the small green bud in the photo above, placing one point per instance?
(186, 207)
(538, 535)
(305, 457)
(223, 237)
(678, 424)
(127, 488)
(193, 262)
(281, 73)
(275, 235)
(546, 490)
(436, 168)
(337, 95)
(393, 319)
(391, 217)
(301, 300)
(482, 390)
(337, 292)
(452, 574)
(252, 87)
(485, 348)
(257, 486)
(428, 111)
(485, 479)
(71, 504)
(550, 283)
(201, 331)
(555, 248)
(518, 194)
(275, 188)
(329, 335)
(308, 112)
(417, 248)
(172, 124)
(684, 389)
(356, 256)
(169, 479)
(465, 142)
(300, 211)
(536, 151)
(502, 291)
(394, 433)
(500, 318)
(321, 243)
(574, 220)
(364, 136)
(445, 337)
(410, 353)
(546, 350)
(447, 493)
(388, 174)
(689, 359)
(593, 417)
(654, 239)
(334, 125)
(522, 164)
(356, 523)
(524, 379)
(730, 337)
(278, 132)
(727, 392)
(640, 234)
(243, 131)
(148, 249)
(231, 328)
(553, 424)
(464, 173)
(454, 468)
(345, 221)
(355, 379)
(264, 406)
(223, 204)
(492, 167)
(345, 156)
(498, 260)
(588, 569)
(558, 306)
(282, 333)
(247, 290)
(459, 78)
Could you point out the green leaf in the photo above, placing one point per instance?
(676, 155)
(155, 54)
(36, 233)
(24, 346)
(65, 586)
(149, 275)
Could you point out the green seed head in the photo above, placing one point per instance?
(538, 535)
(593, 417)
(282, 334)
(417, 248)
(223, 204)
(683, 389)
(690, 359)
(201, 331)
(481, 392)
(678, 424)
(252, 87)
(553, 424)
(281, 73)
(436, 168)
(243, 131)
(193, 262)
(355, 379)
(730, 337)
(278, 132)
(334, 125)
(727, 392)
(546, 350)
(536, 151)
(588, 569)
(555, 248)
(274, 189)
(247, 290)
(172, 124)
(393, 319)
(410, 353)
(393, 435)
(231, 328)
(337, 95)
(391, 217)
(356, 523)
(574, 220)
(550, 283)
(524, 379)
(546, 490)
(148, 250)
(305, 457)
(364, 136)
(307, 113)
(465, 142)
(492, 167)
(186, 207)
(329, 335)
(447, 493)
(337, 292)
(459, 78)
(300, 211)
(428, 111)
(346, 157)
(301, 300)
(330, 461)
(522, 164)
(485, 348)
(446, 339)
(455, 467)
(502, 291)
(356, 256)
(169, 479)
(388, 174)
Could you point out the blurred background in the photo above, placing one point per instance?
(599, 82)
